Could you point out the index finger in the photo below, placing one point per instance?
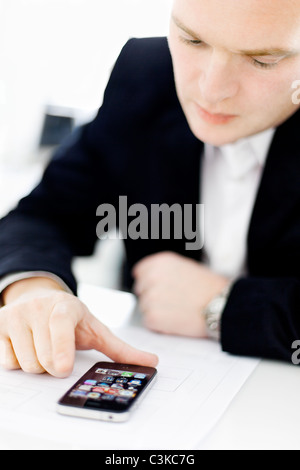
(120, 351)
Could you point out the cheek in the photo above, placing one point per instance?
(274, 85)
(267, 102)
(184, 73)
(185, 68)
(255, 94)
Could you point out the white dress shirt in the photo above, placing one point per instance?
(230, 178)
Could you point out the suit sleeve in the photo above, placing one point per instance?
(261, 318)
(57, 221)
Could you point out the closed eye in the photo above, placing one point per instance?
(264, 65)
(191, 42)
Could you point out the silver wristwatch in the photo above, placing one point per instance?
(213, 313)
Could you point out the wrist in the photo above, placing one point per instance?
(24, 286)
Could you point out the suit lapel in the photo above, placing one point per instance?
(177, 170)
(278, 194)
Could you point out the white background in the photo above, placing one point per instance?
(60, 53)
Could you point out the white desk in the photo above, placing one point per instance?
(263, 415)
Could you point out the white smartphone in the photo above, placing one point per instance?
(108, 391)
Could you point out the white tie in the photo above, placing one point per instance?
(240, 159)
(231, 176)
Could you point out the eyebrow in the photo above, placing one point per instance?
(274, 52)
(268, 52)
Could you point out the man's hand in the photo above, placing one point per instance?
(41, 326)
(173, 291)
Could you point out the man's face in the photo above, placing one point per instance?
(235, 62)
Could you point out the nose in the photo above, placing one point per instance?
(218, 79)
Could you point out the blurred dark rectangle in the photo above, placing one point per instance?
(56, 129)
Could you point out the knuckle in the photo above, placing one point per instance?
(14, 322)
(37, 304)
(60, 310)
(166, 256)
(62, 297)
(69, 309)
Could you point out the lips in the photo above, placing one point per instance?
(215, 118)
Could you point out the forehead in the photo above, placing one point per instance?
(243, 24)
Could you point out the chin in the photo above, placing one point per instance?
(214, 135)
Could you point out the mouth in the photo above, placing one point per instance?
(213, 118)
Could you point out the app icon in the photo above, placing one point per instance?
(94, 395)
(101, 371)
(127, 393)
(127, 374)
(140, 376)
(86, 388)
(108, 379)
(108, 397)
(78, 393)
(114, 373)
(100, 389)
(121, 381)
(118, 386)
(113, 391)
(90, 382)
(135, 382)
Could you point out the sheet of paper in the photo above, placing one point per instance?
(196, 383)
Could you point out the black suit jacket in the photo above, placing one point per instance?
(140, 146)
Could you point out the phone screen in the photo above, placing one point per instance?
(109, 387)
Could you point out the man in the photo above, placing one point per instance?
(226, 134)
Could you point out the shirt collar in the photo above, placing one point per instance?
(261, 143)
(245, 154)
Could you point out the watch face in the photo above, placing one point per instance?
(213, 315)
(217, 305)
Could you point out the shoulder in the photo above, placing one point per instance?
(146, 54)
(144, 67)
